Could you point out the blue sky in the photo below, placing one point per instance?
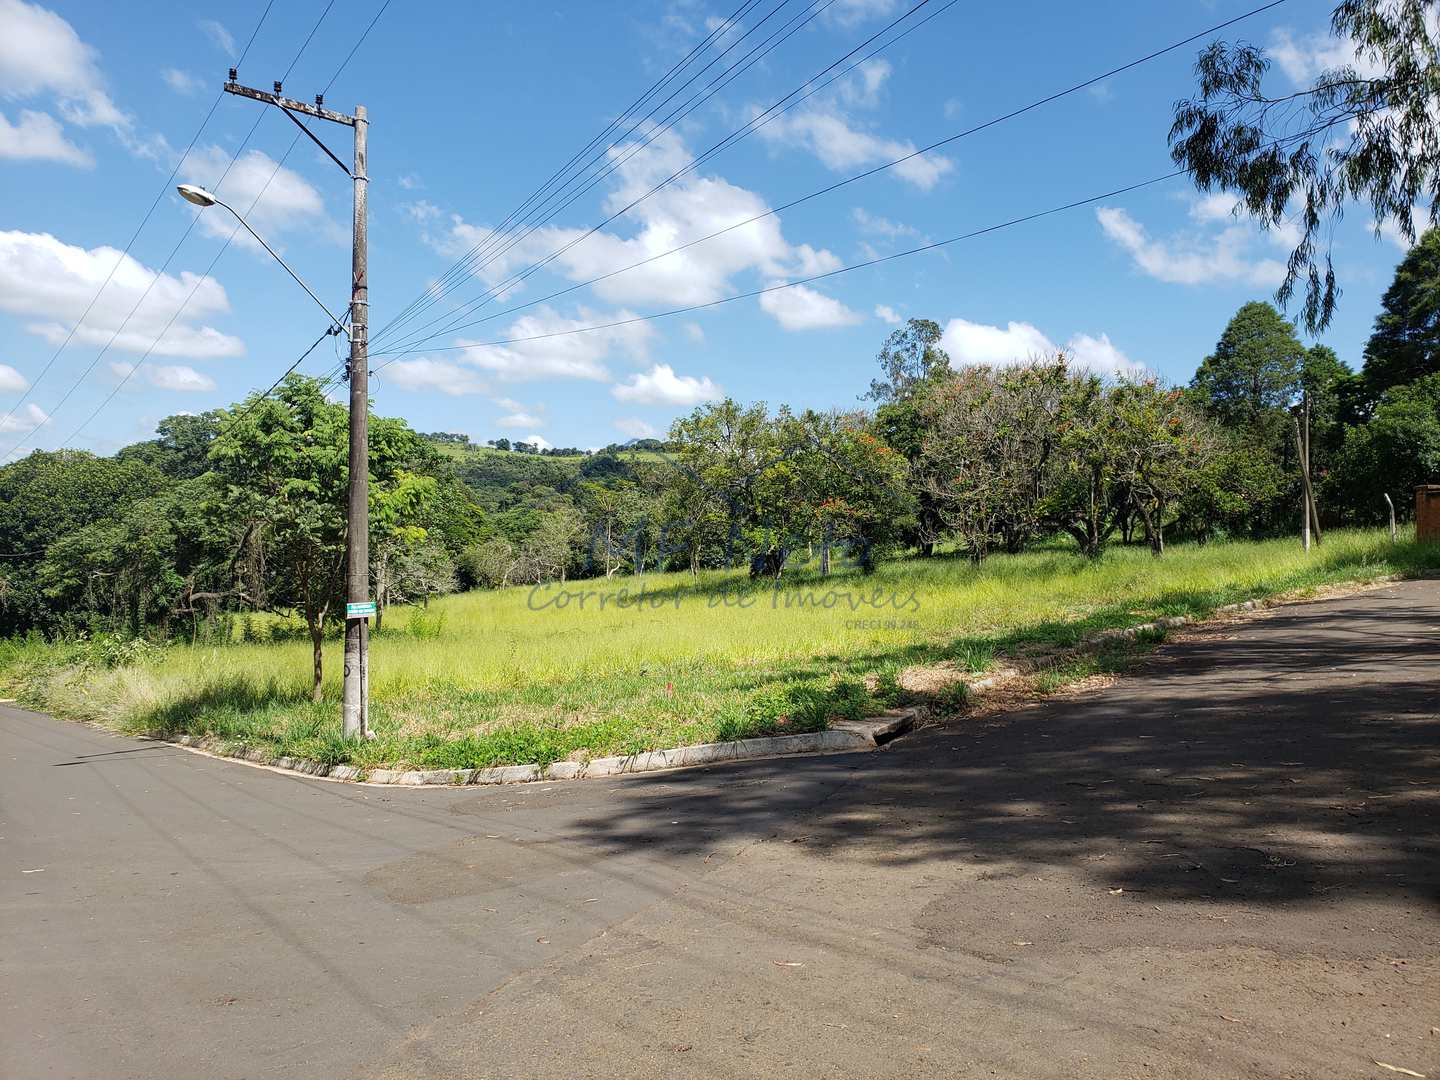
(472, 109)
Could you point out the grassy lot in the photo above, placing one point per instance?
(597, 667)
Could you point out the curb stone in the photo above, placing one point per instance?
(841, 737)
(844, 736)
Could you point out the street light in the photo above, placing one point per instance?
(198, 196)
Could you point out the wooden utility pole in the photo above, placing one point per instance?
(355, 708)
(1309, 514)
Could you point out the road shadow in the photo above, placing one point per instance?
(1290, 760)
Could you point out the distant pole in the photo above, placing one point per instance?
(1394, 537)
(1309, 485)
(355, 712)
(1304, 486)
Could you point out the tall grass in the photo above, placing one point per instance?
(629, 664)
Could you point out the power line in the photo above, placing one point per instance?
(1039, 102)
(546, 213)
(329, 332)
(779, 107)
(183, 304)
(115, 335)
(188, 229)
(246, 51)
(494, 243)
(164, 189)
(879, 260)
(355, 48)
(454, 271)
(308, 38)
(751, 294)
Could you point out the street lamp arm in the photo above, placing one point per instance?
(202, 198)
(276, 256)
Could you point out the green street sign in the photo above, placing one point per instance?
(362, 610)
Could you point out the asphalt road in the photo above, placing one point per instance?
(1224, 865)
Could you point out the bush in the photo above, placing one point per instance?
(425, 625)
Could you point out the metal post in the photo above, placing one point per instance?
(355, 712)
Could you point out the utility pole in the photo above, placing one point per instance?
(355, 708)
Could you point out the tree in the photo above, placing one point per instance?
(50, 495)
(1161, 444)
(1361, 131)
(1254, 371)
(914, 368)
(910, 357)
(1405, 345)
(1395, 452)
(725, 448)
(489, 563)
(280, 479)
(989, 455)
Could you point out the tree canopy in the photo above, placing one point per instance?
(1361, 131)
(1405, 345)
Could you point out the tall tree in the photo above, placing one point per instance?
(280, 477)
(1361, 131)
(910, 357)
(1254, 371)
(1405, 345)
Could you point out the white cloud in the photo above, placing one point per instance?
(864, 86)
(1197, 259)
(519, 419)
(40, 53)
(287, 201)
(557, 352)
(976, 343)
(1099, 354)
(685, 210)
(182, 82)
(1221, 206)
(850, 12)
(841, 147)
(538, 441)
(424, 374)
(39, 137)
(695, 332)
(11, 380)
(165, 376)
(1419, 221)
(881, 226)
(23, 421)
(887, 314)
(636, 429)
(52, 282)
(1018, 343)
(803, 308)
(421, 211)
(661, 386)
(223, 39)
(1304, 57)
(178, 377)
(410, 182)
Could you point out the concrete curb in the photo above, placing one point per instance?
(845, 736)
(1130, 633)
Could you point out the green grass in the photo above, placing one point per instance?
(513, 677)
